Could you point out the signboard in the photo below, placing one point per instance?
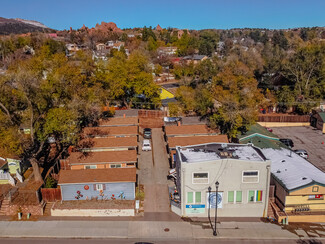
(195, 208)
(212, 202)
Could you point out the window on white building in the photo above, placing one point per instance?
(200, 178)
(250, 176)
(255, 196)
(235, 196)
(194, 197)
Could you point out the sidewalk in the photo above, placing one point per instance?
(152, 230)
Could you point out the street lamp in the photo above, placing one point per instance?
(214, 228)
(216, 211)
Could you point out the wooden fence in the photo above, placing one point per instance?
(51, 194)
(284, 118)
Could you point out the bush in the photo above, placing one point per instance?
(50, 183)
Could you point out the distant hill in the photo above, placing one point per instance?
(21, 26)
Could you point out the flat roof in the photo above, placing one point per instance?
(193, 140)
(102, 157)
(291, 170)
(97, 176)
(218, 151)
(111, 142)
(119, 121)
(189, 130)
(111, 130)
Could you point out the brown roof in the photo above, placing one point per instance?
(118, 121)
(110, 142)
(97, 176)
(189, 130)
(111, 131)
(103, 157)
(194, 140)
(2, 162)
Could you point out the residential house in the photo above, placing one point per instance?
(242, 172)
(104, 184)
(189, 130)
(100, 160)
(260, 137)
(299, 187)
(100, 46)
(72, 47)
(119, 121)
(167, 51)
(111, 131)
(195, 59)
(108, 144)
(9, 168)
(165, 94)
(317, 120)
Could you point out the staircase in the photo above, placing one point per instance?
(4, 209)
(47, 209)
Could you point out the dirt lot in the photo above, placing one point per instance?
(308, 138)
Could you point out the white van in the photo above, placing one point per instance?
(146, 145)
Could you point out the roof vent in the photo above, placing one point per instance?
(304, 178)
(250, 144)
(283, 161)
(278, 171)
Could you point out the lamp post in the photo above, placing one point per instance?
(216, 211)
(214, 228)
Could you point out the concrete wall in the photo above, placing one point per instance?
(69, 192)
(92, 212)
(283, 124)
(229, 174)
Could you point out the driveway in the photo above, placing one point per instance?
(153, 170)
(308, 138)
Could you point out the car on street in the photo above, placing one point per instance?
(288, 142)
(147, 133)
(146, 146)
(302, 153)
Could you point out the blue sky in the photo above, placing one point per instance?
(190, 14)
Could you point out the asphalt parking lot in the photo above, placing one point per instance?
(308, 138)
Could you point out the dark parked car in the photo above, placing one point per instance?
(287, 142)
(147, 133)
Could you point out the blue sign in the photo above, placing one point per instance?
(195, 208)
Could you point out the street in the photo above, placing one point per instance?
(153, 241)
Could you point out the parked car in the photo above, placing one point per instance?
(146, 145)
(288, 142)
(147, 133)
(302, 153)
